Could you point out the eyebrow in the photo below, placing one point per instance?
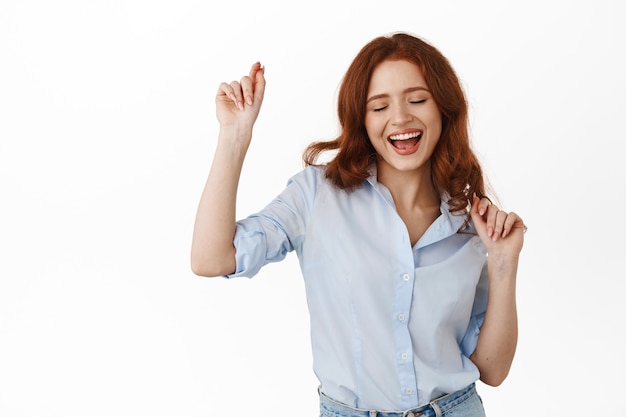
(408, 90)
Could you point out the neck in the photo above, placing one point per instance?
(415, 197)
(410, 189)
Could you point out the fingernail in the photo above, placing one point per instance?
(249, 100)
(481, 211)
(240, 105)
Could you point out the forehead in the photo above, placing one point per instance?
(390, 75)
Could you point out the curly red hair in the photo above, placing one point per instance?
(455, 167)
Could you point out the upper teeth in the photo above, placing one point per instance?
(405, 136)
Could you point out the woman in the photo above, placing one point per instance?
(407, 311)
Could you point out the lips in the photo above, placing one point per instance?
(405, 142)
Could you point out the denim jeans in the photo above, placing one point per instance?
(463, 403)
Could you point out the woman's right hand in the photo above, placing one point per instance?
(239, 102)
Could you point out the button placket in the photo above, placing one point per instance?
(404, 355)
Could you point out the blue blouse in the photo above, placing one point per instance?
(392, 326)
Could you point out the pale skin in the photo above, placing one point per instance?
(213, 254)
(238, 105)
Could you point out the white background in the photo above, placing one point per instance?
(107, 128)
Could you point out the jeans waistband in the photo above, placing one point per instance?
(435, 408)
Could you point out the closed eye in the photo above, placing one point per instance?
(418, 101)
(379, 108)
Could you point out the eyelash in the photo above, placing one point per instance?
(412, 102)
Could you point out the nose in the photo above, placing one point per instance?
(400, 115)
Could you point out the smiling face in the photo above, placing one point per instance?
(402, 119)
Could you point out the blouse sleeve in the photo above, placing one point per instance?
(470, 340)
(267, 236)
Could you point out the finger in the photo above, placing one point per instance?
(478, 219)
(491, 218)
(225, 91)
(482, 205)
(498, 227)
(237, 96)
(247, 90)
(254, 69)
(259, 84)
(512, 221)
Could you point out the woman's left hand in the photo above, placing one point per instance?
(502, 233)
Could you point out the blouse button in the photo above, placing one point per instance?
(406, 277)
(401, 317)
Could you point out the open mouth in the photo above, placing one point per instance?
(405, 141)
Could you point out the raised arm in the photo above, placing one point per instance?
(238, 105)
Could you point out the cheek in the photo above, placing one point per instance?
(367, 121)
(435, 122)
(437, 126)
(372, 128)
